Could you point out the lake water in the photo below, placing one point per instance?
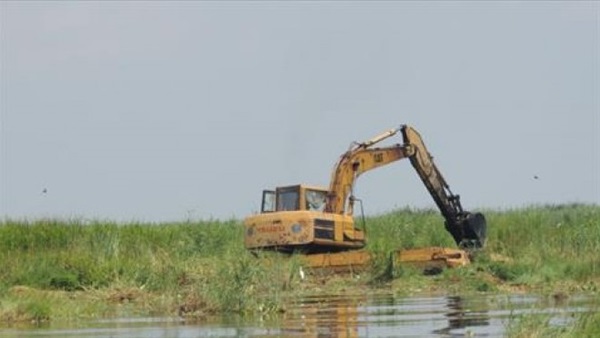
(342, 316)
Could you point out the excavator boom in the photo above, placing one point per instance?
(354, 163)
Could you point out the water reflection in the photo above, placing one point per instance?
(385, 316)
(324, 316)
(342, 316)
(389, 315)
(461, 315)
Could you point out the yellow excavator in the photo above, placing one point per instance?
(319, 222)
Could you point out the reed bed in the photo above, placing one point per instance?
(72, 269)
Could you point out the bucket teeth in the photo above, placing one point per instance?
(474, 231)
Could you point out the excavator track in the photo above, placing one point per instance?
(354, 261)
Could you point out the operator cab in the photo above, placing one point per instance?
(293, 218)
(294, 197)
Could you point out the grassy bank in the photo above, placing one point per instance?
(68, 270)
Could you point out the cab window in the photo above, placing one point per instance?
(315, 200)
(268, 201)
(287, 200)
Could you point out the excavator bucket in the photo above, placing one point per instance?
(474, 231)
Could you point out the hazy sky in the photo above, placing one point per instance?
(171, 110)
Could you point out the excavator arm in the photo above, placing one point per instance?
(467, 229)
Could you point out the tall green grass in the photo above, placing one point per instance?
(73, 255)
(545, 244)
(196, 266)
(405, 229)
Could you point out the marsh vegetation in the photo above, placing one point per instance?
(73, 270)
